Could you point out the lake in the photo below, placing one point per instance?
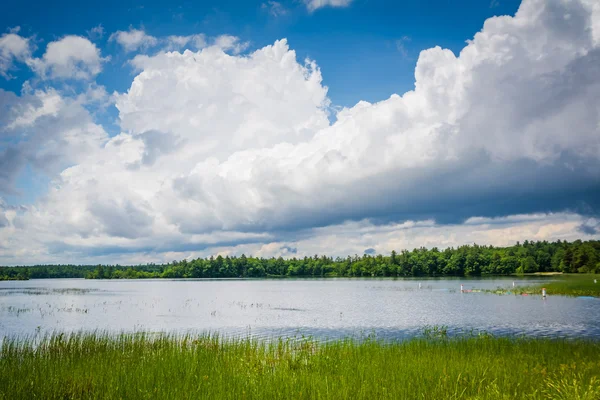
(322, 308)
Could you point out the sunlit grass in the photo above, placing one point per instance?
(163, 366)
(575, 285)
(565, 284)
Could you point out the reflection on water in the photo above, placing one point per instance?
(329, 308)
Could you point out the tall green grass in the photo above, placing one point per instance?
(163, 366)
(565, 284)
(575, 285)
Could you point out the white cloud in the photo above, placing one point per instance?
(230, 43)
(401, 46)
(47, 131)
(72, 57)
(13, 48)
(218, 103)
(51, 102)
(313, 5)
(227, 43)
(96, 32)
(240, 148)
(336, 240)
(196, 42)
(494, 119)
(275, 8)
(133, 39)
(95, 95)
(354, 237)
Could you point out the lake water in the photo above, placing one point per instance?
(325, 309)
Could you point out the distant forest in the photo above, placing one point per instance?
(526, 257)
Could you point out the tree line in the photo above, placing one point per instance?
(470, 260)
(45, 271)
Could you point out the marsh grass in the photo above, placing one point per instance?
(164, 366)
(566, 285)
(575, 285)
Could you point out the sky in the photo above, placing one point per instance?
(148, 131)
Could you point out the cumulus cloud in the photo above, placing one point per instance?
(488, 132)
(240, 147)
(230, 43)
(45, 130)
(313, 5)
(72, 57)
(133, 39)
(13, 47)
(218, 103)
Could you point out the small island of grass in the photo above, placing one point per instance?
(576, 285)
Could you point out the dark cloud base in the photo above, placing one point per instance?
(453, 195)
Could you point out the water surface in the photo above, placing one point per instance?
(322, 308)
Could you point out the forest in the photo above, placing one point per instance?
(470, 260)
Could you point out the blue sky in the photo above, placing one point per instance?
(147, 131)
(355, 46)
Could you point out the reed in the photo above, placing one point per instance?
(575, 285)
(168, 366)
(586, 285)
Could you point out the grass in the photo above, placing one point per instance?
(163, 366)
(564, 284)
(574, 285)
